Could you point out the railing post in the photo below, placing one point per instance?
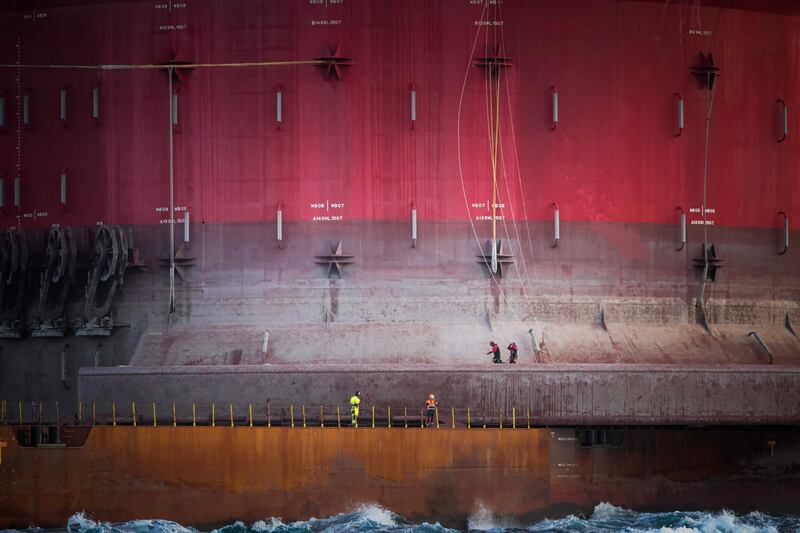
(155, 417)
(528, 414)
(303, 408)
(373, 415)
(291, 413)
(405, 415)
(269, 416)
(321, 419)
(94, 413)
(513, 417)
(174, 416)
(436, 413)
(453, 416)
(194, 415)
(113, 414)
(389, 415)
(469, 422)
(250, 413)
(133, 412)
(230, 410)
(213, 414)
(338, 417)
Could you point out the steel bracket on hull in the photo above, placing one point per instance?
(493, 64)
(787, 323)
(183, 260)
(705, 71)
(714, 262)
(762, 344)
(497, 255)
(96, 327)
(333, 63)
(336, 259)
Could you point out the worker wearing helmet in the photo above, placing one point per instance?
(430, 409)
(495, 351)
(355, 401)
(512, 353)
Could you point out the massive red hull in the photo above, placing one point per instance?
(613, 156)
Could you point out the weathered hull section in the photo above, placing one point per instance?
(208, 475)
(380, 145)
(604, 394)
(336, 208)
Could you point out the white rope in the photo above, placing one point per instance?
(188, 66)
(461, 171)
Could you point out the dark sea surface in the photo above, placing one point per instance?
(373, 518)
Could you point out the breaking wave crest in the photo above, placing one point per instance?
(372, 518)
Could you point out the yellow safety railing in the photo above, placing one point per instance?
(317, 415)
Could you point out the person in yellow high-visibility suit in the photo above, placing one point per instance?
(355, 401)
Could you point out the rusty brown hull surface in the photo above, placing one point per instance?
(213, 475)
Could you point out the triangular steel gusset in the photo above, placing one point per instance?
(336, 259)
(502, 257)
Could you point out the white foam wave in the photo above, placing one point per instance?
(725, 522)
(162, 526)
(80, 522)
(263, 527)
(238, 524)
(605, 511)
(375, 513)
(483, 518)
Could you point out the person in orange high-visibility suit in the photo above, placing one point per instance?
(430, 409)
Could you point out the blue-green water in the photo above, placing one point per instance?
(372, 518)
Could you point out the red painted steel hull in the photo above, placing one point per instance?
(612, 158)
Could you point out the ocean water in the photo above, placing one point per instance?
(605, 518)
